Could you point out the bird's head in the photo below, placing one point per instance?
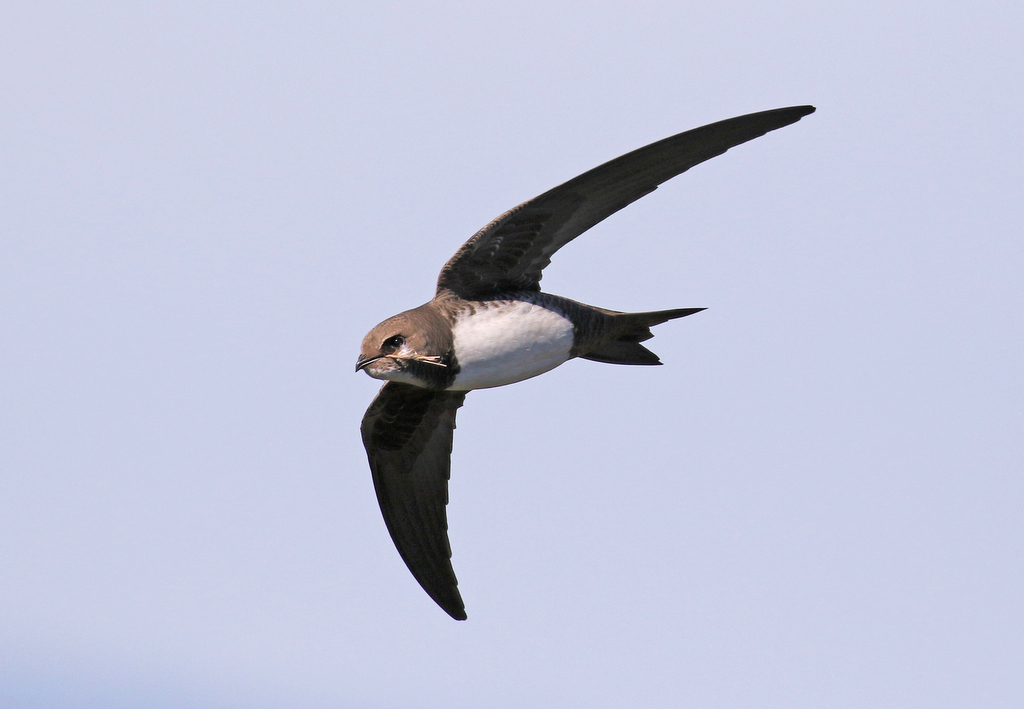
(410, 348)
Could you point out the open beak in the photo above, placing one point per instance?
(363, 361)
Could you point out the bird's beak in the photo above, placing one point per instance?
(363, 361)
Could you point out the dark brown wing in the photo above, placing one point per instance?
(509, 253)
(407, 432)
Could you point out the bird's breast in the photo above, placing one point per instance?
(502, 342)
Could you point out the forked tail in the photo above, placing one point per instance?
(627, 331)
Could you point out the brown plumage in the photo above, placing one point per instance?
(489, 325)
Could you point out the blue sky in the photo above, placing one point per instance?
(815, 502)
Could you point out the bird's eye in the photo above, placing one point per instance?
(392, 343)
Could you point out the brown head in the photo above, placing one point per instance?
(414, 347)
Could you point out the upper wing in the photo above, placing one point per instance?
(407, 432)
(509, 253)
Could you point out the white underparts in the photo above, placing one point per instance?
(508, 342)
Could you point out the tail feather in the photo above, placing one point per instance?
(630, 329)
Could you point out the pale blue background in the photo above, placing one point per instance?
(817, 502)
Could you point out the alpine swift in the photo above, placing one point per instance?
(489, 325)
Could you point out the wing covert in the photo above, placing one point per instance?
(407, 432)
(510, 253)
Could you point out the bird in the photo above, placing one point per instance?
(489, 325)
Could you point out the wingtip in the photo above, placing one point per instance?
(458, 612)
(450, 600)
(805, 110)
(789, 114)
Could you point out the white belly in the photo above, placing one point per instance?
(507, 343)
